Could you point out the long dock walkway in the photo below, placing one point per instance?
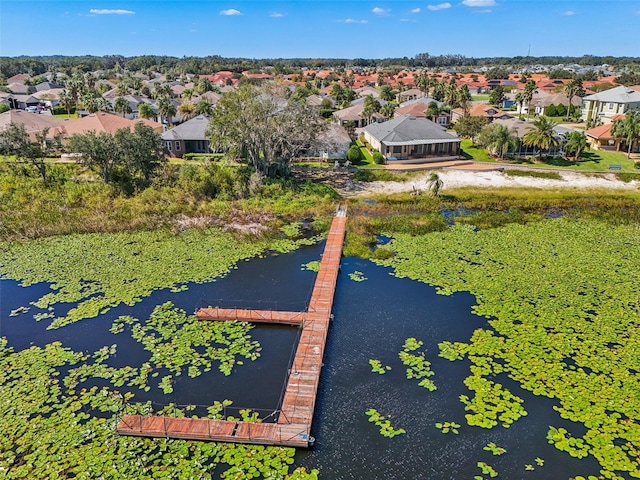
(293, 426)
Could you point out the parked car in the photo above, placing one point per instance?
(33, 109)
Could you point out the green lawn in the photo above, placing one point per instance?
(591, 160)
(367, 162)
(480, 98)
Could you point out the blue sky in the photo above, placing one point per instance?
(315, 29)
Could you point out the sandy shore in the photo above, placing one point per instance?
(467, 178)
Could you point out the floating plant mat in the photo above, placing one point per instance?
(563, 303)
(100, 271)
(53, 427)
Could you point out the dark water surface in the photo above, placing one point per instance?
(373, 318)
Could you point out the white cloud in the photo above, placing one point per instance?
(383, 12)
(415, 10)
(111, 11)
(230, 12)
(351, 20)
(440, 6)
(479, 3)
(276, 15)
(486, 10)
(569, 13)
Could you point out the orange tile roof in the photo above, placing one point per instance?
(102, 122)
(602, 131)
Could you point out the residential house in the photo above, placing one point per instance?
(541, 101)
(604, 105)
(520, 128)
(32, 122)
(333, 143)
(368, 90)
(101, 122)
(21, 89)
(18, 78)
(600, 138)
(480, 110)
(410, 139)
(188, 137)
(418, 108)
(354, 115)
(410, 94)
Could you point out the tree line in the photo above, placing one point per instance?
(37, 65)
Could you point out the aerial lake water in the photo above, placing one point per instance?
(372, 319)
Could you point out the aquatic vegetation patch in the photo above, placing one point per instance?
(382, 421)
(312, 266)
(43, 415)
(177, 340)
(494, 449)
(377, 367)
(357, 276)
(418, 366)
(561, 299)
(487, 469)
(101, 271)
(448, 427)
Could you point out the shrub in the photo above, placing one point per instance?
(378, 158)
(354, 155)
(62, 110)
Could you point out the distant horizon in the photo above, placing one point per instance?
(310, 29)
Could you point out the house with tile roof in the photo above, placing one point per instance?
(101, 122)
(188, 137)
(355, 115)
(605, 105)
(32, 122)
(480, 110)
(410, 139)
(600, 138)
(418, 108)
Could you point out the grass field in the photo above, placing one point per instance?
(591, 160)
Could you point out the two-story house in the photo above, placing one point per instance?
(605, 105)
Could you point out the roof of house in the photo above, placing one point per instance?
(32, 122)
(193, 129)
(541, 100)
(409, 130)
(19, 78)
(102, 122)
(619, 94)
(601, 131)
(416, 107)
(520, 127)
(482, 110)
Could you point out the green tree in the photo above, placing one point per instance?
(121, 105)
(388, 110)
(66, 100)
(371, 107)
(187, 110)
(166, 109)
(423, 83)
(498, 139)
(4, 107)
(496, 96)
(541, 135)
(469, 127)
(576, 143)
(573, 89)
(527, 95)
(386, 93)
(16, 141)
(204, 107)
(98, 151)
(262, 125)
(145, 110)
(627, 129)
(433, 110)
(142, 151)
(464, 98)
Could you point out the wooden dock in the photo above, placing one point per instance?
(293, 426)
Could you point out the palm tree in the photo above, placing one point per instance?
(145, 110)
(520, 101)
(121, 106)
(204, 107)
(527, 95)
(627, 129)
(573, 89)
(66, 100)
(502, 137)
(541, 135)
(434, 184)
(388, 109)
(576, 143)
(166, 109)
(187, 111)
